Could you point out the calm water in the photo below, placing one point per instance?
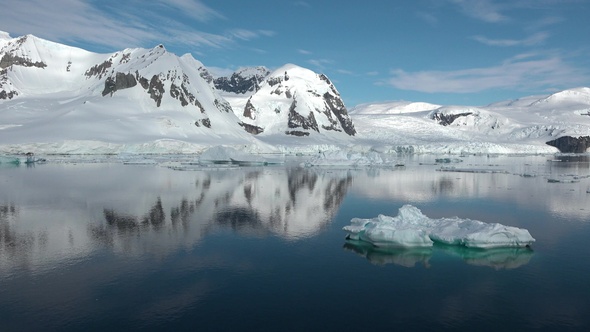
(106, 246)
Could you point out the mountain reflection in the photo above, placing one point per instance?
(291, 203)
(499, 258)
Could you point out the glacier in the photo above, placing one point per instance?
(410, 228)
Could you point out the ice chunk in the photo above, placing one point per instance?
(347, 158)
(9, 160)
(411, 228)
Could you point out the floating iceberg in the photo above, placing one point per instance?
(9, 160)
(411, 228)
(345, 158)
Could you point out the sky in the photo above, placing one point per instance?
(451, 52)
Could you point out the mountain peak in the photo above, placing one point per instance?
(296, 101)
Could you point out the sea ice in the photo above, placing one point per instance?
(228, 155)
(348, 158)
(411, 228)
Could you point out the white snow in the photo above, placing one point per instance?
(411, 228)
(59, 109)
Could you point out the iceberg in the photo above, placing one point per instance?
(411, 228)
(346, 158)
(9, 160)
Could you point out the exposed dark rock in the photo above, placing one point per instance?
(99, 70)
(120, 82)
(206, 123)
(447, 119)
(274, 81)
(237, 83)
(297, 120)
(205, 74)
(181, 93)
(336, 107)
(199, 106)
(156, 89)
(145, 84)
(297, 133)
(252, 129)
(569, 144)
(15, 60)
(8, 95)
(249, 109)
(223, 106)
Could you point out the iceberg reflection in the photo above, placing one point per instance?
(498, 258)
(407, 257)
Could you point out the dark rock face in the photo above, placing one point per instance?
(156, 89)
(569, 144)
(335, 105)
(99, 70)
(254, 130)
(239, 83)
(120, 82)
(297, 133)
(447, 119)
(15, 60)
(249, 109)
(297, 120)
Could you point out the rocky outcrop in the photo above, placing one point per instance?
(335, 105)
(297, 120)
(569, 144)
(119, 82)
(252, 129)
(447, 119)
(242, 81)
(15, 60)
(156, 89)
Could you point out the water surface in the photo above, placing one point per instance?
(97, 246)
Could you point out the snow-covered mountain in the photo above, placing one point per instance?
(64, 99)
(525, 125)
(60, 99)
(294, 101)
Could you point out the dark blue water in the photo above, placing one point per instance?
(106, 246)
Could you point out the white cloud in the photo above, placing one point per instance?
(484, 10)
(130, 23)
(535, 39)
(427, 17)
(521, 72)
(193, 8)
(320, 63)
(302, 4)
(344, 71)
(304, 52)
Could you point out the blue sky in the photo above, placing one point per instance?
(469, 52)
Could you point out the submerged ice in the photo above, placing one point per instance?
(411, 228)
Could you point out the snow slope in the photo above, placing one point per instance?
(61, 99)
(520, 126)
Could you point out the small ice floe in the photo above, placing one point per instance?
(447, 160)
(9, 160)
(147, 162)
(347, 158)
(471, 170)
(411, 228)
(228, 155)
